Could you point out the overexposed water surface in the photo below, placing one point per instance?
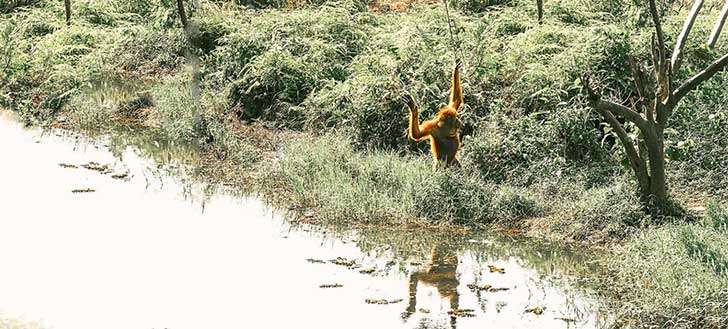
(153, 251)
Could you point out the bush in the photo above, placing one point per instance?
(8, 6)
(523, 151)
(143, 52)
(407, 55)
(270, 73)
(479, 6)
(698, 144)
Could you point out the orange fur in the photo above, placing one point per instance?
(443, 130)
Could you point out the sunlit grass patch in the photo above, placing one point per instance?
(676, 275)
(378, 187)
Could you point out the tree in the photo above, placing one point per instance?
(539, 5)
(67, 3)
(650, 113)
(181, 11)
(718, 26)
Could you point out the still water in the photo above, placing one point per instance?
(150, 249)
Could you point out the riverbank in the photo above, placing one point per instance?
(302, 105)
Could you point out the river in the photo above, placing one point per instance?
(134, 243)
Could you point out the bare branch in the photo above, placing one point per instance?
(638, 73)
(596, 100)
(658, 25)
(655, 54)
(67, 4)
(699, 78)
(677, 53)
(622, 111)
(181, 12)
(634, 158)
(718, 26)
(605, 109)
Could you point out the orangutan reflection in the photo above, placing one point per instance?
(441, 273)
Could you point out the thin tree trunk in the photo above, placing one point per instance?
(182, 15)
(67, 3)
(656, 154)
(539, 4)
(718, 26)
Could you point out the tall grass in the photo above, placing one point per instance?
(675, 276)
(342, 185)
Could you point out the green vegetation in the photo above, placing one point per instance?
(343, 185)
(676, 276)
(302, 99)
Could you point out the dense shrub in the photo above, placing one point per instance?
(598, 215)
(144, 52)
(7, 6)
(524, 151)
(277, 58)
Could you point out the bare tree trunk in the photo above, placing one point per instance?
(539, 4)
(656, 154)
(67, 3)
(181, 11)
(718, 26)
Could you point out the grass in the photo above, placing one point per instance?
(345, 186)
(676, 276)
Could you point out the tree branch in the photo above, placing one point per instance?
(699, 78)
(67, 5)
(638, 74)
(677, 53)
(605, 109)
(621, 110)
(634, 158)
(718, 26)
(181, 12)
(658, 25)
(596, 100)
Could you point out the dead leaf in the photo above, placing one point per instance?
(95, 166)
(382, 301)
(350, 263)
(463, 313)
(566, 319)
(120, 176)
(485, 287)
(536, 310)
(87, 190)
(333, 285)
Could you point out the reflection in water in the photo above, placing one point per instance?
(441, 273)
(159, 251)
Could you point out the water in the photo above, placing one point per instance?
(157, 251)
